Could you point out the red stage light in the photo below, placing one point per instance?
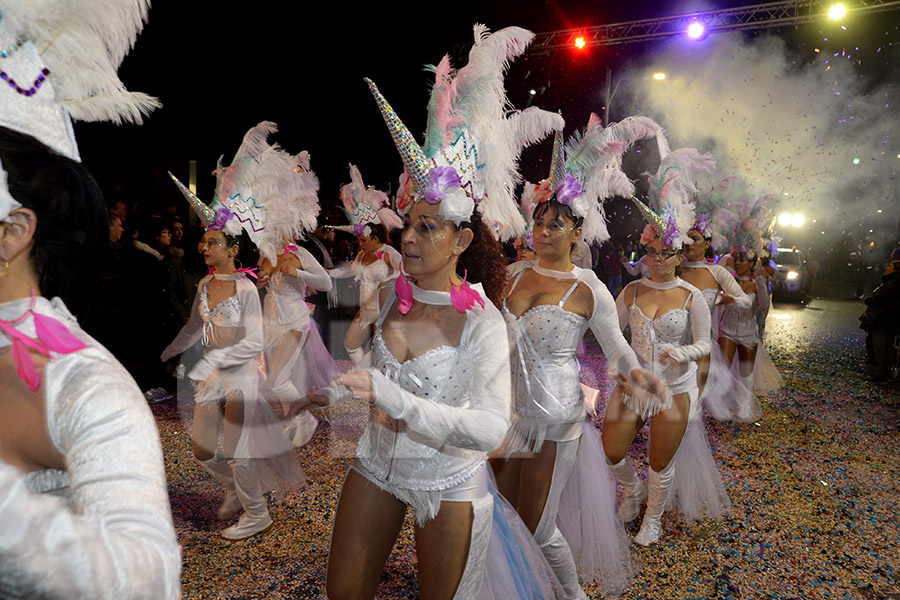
(580, 43)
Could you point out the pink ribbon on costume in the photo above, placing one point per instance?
(53, 336)
(290, 248)
(404, 293)
(379, 254)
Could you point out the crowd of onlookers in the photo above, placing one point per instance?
(882, 322)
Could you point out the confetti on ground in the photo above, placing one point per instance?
(813, 486)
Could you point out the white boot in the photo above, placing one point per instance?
(256, 517)
(559, 556)
(634, 491)
(660, 487)
(748, 383)
(221, 472)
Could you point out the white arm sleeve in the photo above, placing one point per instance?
(622, 309)
(114, 538)
(482, 425)
(700, 328)
(345, 270)
(762, 295)
(312, 274)
(606, 323)
(192, 330)
(731, 287)
(245, 350)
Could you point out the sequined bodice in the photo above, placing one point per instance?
(285, 301)
(226, 314)
(741, 322)
(651, 337)
(545, 368)
(402, 457)
(710, 295)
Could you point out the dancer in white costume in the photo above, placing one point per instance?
(669, 323)
(723, 395)
(285, 188)
(227, 319)
(550, 305)
(377, 261)
(742, 327)
(441, 380)
(85, 508)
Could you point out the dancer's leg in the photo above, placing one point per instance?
(366, 526)
(507, 473)
(728, 349)
(747, 357)
(443, 548)
(620, 425)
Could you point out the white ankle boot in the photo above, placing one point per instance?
(301, 428)
(634, 491)
(256, 517)
(660, 488)
(221, 472)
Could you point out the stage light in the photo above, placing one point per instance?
(659, 76)
(580, 43)
(798, 220)
(837, 12)
(784, 219)
(695, 30)
(532, 92)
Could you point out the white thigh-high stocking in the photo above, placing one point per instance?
(256, 517)
(660, 487)
(218, 467)
(634, 490)
(748, 382)
(482, 520)
(548, 537)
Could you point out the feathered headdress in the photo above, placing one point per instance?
(713, 219)
(59, 63)
(270, 194)
(672, 191)
(472, 142)
(754, 232)
(588, 169)
(365, 206)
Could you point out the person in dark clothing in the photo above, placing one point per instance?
(882, 319)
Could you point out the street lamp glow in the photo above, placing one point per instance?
(837, 12)
(661, 76)
(532, 92)
(695, 30)
(798, 220)
(784, 219)
(855, 161)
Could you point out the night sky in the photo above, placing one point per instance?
(219, 72)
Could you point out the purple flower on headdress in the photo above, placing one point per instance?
(529, 239)
(359, 229)
(439, 180)
(568, 190)
(671, 232)
(702, 224)
(223, 215)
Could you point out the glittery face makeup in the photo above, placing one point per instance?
(428, 240)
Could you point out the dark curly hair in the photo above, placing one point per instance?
(72, 221)
(484, 260)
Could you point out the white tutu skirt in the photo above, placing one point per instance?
(765, 374)
(315, 367)
(724, 397)
(698, 490)
(587, 518)
(515, 567)
(278, 465)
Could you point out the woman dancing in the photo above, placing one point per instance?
(377, 260)
(85, 507)
(227, 319)
(441, 380)
(549, 307)
(669, 323)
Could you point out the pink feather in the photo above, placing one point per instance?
(25, 364)
(404, 294)
(464, 297)
(55, 336)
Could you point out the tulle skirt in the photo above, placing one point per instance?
(725, 397)
(515, 568)
(698, 490)
(587, 518)
(765, 374)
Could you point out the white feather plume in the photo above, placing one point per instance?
(82, 43)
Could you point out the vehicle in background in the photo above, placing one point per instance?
(792, 279)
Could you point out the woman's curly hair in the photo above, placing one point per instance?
(484, 260)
